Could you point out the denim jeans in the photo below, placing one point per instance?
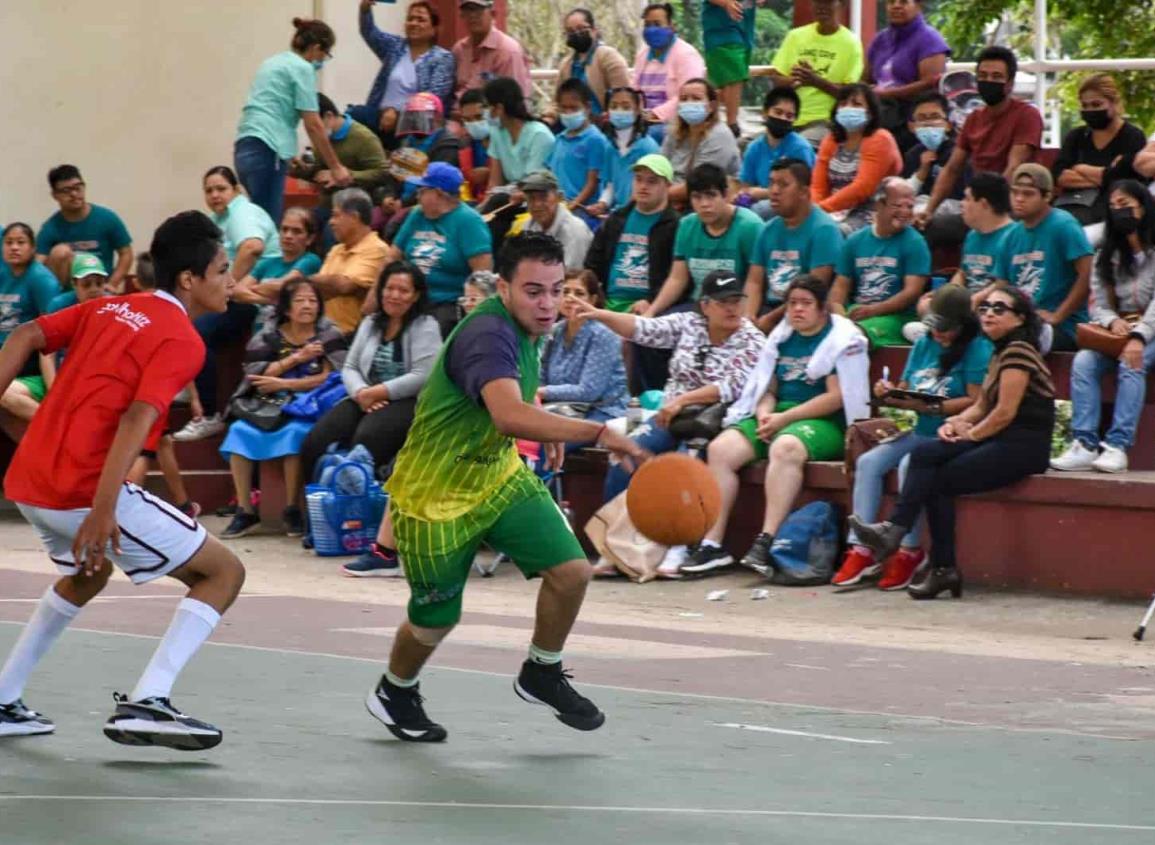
(648, 436)
(870, 473)
(217, 330)
(1086, 396)
(262, 174)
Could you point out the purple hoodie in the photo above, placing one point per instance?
(894, 54)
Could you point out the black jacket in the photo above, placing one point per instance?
(600, 257)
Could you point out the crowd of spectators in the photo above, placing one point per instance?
(746, 278)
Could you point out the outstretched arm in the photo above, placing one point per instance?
(25, 340)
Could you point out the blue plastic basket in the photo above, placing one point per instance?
(343, 524)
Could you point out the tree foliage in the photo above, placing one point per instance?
(1076, 29)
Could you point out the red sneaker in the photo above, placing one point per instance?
(899, 569)
(855, 566)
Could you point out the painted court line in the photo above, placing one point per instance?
(769, 730)
(695, 696)
(581, 808)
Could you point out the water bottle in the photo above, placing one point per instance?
(633, 414)
(307, 157)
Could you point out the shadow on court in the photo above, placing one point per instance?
(302, 762)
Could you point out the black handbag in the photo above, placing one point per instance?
(698, 422)
(261, 411)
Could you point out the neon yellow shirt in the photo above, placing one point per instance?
(837, 58)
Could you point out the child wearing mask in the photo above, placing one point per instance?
(628, 141)
(579, 153)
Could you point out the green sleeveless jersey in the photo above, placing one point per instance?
(456, 472)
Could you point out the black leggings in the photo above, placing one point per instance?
(941, 471)
(381, 432)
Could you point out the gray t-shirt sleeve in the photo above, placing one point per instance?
(484, 351)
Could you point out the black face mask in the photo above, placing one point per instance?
(1124, 221)
(579, 42)
(993, 93)
(1098, 119)
(778, 127)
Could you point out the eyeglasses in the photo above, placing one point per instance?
(996, 308)
(74, 189)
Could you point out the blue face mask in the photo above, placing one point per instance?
(658, 37)
(343, 132)
(478, 129)
(572, 120)
(693, 113)
(622, 119)
(931, 137)
(851, 118)
(318, 63)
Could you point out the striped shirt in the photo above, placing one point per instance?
(1037, 409)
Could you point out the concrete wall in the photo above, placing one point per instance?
(144, 96)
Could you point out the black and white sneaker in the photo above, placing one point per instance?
(154, 721)
(16, 719)
(758, 557)
(540, 683)
(400, 710)
(706, 559)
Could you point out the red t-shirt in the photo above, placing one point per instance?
(987, 136)
(124, 349)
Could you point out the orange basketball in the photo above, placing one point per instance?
(673, 499)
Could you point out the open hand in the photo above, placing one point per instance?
(624, 448)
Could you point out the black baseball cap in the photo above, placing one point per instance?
(722, 284)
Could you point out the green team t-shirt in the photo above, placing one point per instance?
(877, 266)
(836, 58)
(721, 30)
(630, 271)
(980, 254)
(794, 356)
(731, 251)
(924, 374)
(456, 473)
(787, 253)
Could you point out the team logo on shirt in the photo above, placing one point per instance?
(1029, 272)
(927, 380)
(120, 311)
(793, 369)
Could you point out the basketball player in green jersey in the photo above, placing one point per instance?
(458, 482)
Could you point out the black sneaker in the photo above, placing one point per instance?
(294, 521)
(400, 710)
(758, 557)
(377, 562)
(706, 559)
(16, 719)
(243, 523)
(154, 721)
(540, 683)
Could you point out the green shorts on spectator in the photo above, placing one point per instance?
(619, 305)
(727, 65)
(886, 329)
(35, 385)
(824, 438)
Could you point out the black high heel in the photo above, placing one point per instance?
(938, 579)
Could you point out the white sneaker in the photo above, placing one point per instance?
(672, 562)
(1077, 458)
(199, 429)
(1111, 460)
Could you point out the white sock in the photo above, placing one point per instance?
(546, 658)
(404, 683)
(192, 624)
(709, 544)
(48, 622)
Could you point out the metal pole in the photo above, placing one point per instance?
(1041, 54)
(856, 17)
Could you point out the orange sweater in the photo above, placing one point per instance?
(878, 158)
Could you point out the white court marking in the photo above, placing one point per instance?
(769, 730)
(694, 696)
(582, 808)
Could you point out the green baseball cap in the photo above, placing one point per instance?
(659, 165)
(87, 264)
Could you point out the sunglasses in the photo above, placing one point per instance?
(996, 308)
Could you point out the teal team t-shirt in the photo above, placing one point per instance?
(531, 152)
(720, 30)
(877, 266)
(285, 86)
(630, 270)
(980, 254)
(1041, 262)
(787, 253)
(794, 356)
(244, 220)
(102, 233)
(760, 157)
(25, 297)
(276, 267)
(730, 251)
(923, 374)
(574, 156)
(442, 248)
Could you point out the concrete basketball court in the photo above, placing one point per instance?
(811, 717)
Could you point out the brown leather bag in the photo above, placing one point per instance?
(864, 435)
(1104, 341)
